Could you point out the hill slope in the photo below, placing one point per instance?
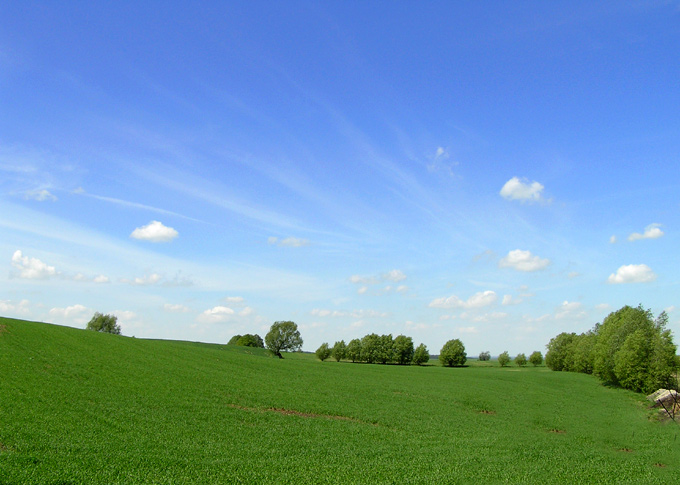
(83, 407)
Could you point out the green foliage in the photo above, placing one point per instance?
(453, 353)
(521, 360)
(354, 350)
(421, 355)
(504, 359)
(339, 350)
(536, 358)
(403, 350)
(370, 347)
(385, 349)
(323, 352)
(249, 340)
(558, 355)
(283, 336)
(484, 356)
(234, 339)
(104, 323)
(71, 417)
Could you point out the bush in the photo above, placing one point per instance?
(323, 352)
(536, 358)
(504, 359)
(421, 355)
(559, 351)
(353, 351)
(484, 356)
(521, 360)
(453, 353)
(104, 323)
(249, 340)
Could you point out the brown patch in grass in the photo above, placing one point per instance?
(625, 450)
(487, 411)
(292, 412)
(557, 431)
(659, 465)
(3, 448)
(3, 328)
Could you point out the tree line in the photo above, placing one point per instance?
(630, 348)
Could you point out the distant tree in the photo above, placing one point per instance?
(283, 336)
(234, 339)
(521, 360)
(453, 353)
(353, 351)
(536, 358)
(403, 350)
(504, 359)
(484, 356)
(385, 349)
(370, 345)
(339, 350)
(249, 340)
(104, 323)
(323, 352)
(421, 355)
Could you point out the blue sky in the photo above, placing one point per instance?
(498, 172)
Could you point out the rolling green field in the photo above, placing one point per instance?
(84, 407)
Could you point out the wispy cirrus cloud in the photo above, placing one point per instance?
(288, 242)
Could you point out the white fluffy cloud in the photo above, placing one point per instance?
(652, 231)
(572, 310)
(31, 268)
(75, 313)
(8, 307)
(632, 273)
(216, 314)
(523, 261)
(478, 300)
(154, 231)
(516, 189)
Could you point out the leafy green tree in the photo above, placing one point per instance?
(283, 336)
(558, 355)
(536, 358)
(421, 355)
(370, 345)
(234, 339)
(581, 356)
(484, 356)
(339, 350)
(453, 353)
(385, 349)
(353, 351)
(403, 350)
(249, 340)
(104, 323)
(521, 360)
(504, 359)
(323, 352)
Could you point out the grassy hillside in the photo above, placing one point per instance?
(84, 407)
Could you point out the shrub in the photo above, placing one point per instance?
(249, 340)
(504, 359)
(484, 356)
(104, 323)
(353, 351)
(339, 350)
(453, 353)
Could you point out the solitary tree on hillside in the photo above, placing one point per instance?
(104, 323)
(283, 336)
(453, 353)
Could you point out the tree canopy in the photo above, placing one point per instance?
(282, 337)
(453, 353)
(104, 323)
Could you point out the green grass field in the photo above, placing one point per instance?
(83, 407)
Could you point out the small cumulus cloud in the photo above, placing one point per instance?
(522, 190)
(40, 195)
(246, 311)
(101, 279)
(652, 231)
(572, 310)
(509, 300)
(233, 299)
(9, 307)
(523, 261)
(154, 231)
(146, 280)
(216, 314)
(478, 300)
(75, 313)
(32, 268)
(440, 161)
(632, 273)
(471, 330)
(289, 242)
(394, 276)
(612, 240)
